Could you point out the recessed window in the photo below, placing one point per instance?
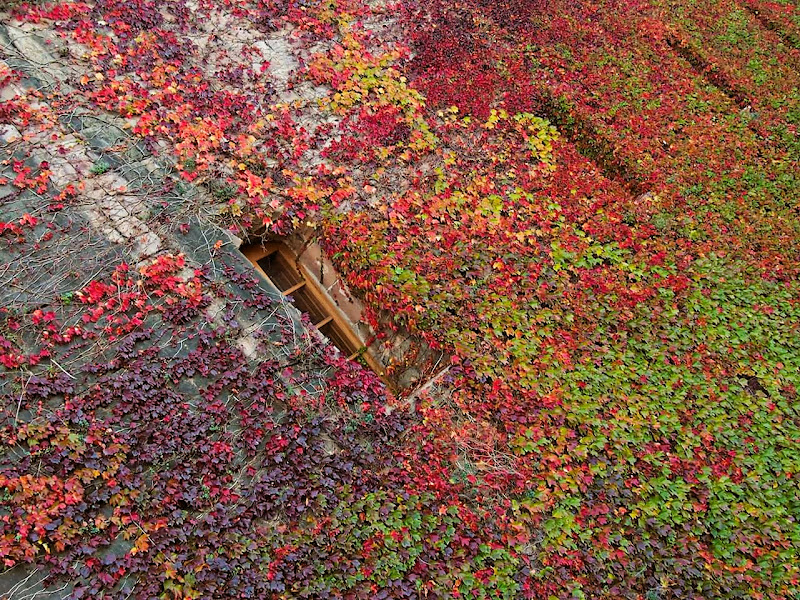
(276, 262)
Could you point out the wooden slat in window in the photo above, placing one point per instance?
(324, 322)
(294, 288)
(276, 263)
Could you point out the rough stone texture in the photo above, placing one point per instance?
(132, 203)
(121, 214)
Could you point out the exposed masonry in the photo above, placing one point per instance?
(117, 203)
(227, 39)
(123, 198)
(72, 156)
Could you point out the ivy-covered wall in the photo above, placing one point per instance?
(589, 208)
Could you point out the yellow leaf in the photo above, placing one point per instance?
(141, 544)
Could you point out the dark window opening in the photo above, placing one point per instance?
(279, 271)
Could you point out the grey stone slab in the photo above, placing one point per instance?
(7, 190)
(24, 581)
(100, 132)
(66, 263)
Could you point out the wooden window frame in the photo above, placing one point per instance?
(256, 252)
